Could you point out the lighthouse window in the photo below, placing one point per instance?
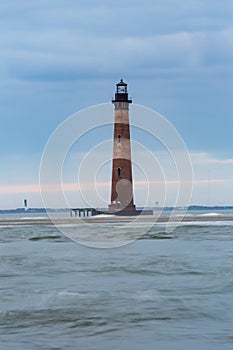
(119, 172)
(119, 138)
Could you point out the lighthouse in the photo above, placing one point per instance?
(122, 198)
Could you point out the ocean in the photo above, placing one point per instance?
(163, 291)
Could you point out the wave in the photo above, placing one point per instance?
(162, 235)
(58, 238)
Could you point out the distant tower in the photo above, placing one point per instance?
(122, 181)
(25, 202)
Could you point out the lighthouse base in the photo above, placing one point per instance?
(128, 211)
(115, 208)
(131, 213)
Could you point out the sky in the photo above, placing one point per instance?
(59, 57)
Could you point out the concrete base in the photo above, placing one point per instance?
(125, 212)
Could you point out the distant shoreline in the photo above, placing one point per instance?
(67, 210)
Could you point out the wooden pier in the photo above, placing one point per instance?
(83, 212)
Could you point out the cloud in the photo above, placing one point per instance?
(75, 41)
(205, 158)
(134, 16)
(98, 56)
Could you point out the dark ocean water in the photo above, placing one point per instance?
(164, 291)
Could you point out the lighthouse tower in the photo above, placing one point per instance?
(122, 200)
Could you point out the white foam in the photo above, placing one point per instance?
(207, 223)
(32, 218)
(211, 214)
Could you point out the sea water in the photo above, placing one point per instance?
(164, 291)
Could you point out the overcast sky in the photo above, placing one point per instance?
(58, 57)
